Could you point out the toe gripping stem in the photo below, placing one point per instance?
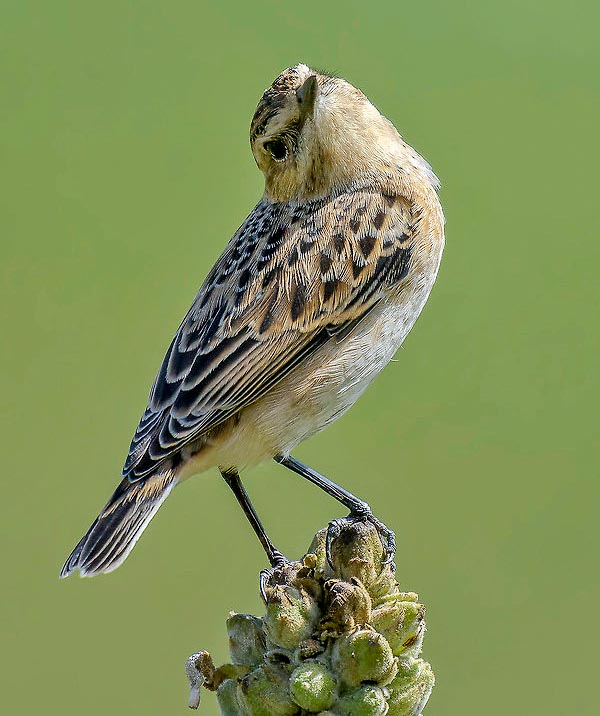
(278, 561)
(359, 510)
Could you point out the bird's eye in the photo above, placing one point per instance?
(277, 149)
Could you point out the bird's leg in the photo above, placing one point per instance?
(359, 510)
(275, 557)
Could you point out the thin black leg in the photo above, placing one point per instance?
(359, 510)
(232, 478)
(353, 503)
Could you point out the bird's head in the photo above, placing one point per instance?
(313, 134)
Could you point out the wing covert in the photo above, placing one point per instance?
(291, 278)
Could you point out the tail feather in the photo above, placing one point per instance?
(118, 527)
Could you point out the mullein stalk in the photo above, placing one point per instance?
(337, 639)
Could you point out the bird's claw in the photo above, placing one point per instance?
(387, 537)
(278, 560)
(333, 531)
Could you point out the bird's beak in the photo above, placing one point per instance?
(307, 96)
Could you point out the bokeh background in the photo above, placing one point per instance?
(126, 168)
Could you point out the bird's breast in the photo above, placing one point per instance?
(329, 383)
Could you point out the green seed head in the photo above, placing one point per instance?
(348, 604)
(411, 689)
(265, 692)
(246, 639)
(363, 656)
(227, 698)
(313, 687)
(358, 558)
(402, 623)
(366, 701)
(292, 616)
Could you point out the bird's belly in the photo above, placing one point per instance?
(321, 390)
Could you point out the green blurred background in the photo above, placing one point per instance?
(126, 168)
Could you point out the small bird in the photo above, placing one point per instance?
(308, 302)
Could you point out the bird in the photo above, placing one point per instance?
(309, 301)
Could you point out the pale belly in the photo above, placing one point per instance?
(319, 391)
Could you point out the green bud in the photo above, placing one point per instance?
(292, 616)
(313, 687)
(317, 548)
(359, 557)
(227, 698)
(348, 604)
(408, 672)
(366, 701)
(246, 639)
(362, 656)
(411, 689)
(266, 692)
(402, 624)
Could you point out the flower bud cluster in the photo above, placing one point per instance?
(336, 640)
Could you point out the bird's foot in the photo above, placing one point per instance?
(278, 561)
(363, 514)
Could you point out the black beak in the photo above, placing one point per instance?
(307, 96)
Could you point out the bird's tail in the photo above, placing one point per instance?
(118, 527)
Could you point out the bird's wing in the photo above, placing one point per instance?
(291, 278)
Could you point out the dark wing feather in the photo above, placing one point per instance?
(292, 278)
